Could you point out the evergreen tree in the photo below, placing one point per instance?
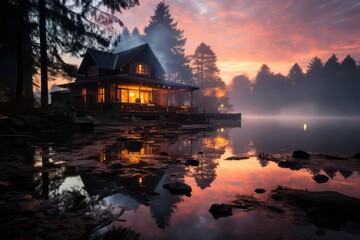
(168, 43)
(332, 65)
(66, 27)
(315, 68)
(295, 74)
(207, 76)
(204, 66)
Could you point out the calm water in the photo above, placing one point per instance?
(125, 196)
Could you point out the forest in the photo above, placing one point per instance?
(41, 34)
(329, 89)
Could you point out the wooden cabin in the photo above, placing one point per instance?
(128, 81)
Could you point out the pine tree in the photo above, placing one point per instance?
(315, 68)
(168, 43)
(66, 27)
(206, 75)
(295, 74)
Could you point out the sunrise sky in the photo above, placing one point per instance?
(247, 33)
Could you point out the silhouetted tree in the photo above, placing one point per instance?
(207, 76)
(168, 43)
(241, 94)
(295, 74)
(67, 27)
(315, 68)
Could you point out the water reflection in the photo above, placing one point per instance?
(128, 185)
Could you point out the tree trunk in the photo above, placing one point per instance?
(43, 56)
(19, 56)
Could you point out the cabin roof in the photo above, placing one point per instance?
(111, 61)
(131, 79)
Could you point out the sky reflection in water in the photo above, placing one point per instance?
(217, 180)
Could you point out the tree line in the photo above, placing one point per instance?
(329, 88)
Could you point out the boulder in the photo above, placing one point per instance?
(260, 190)
(192, 162)
(357, 155)
(220, 210)
(321, 178)
(300, 154)
(122, 139)
(17, 123)
(178, 188)
(162, 118)
(133, 145)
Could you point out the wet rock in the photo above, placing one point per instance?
(122, 139)
(116, 166)
(162, 118)
(135, 119)
(260, 190)
(220, 210)
(334, 157)
(237, 158)
(17, 123)
(189, 121)
(133, 146)
(192, 162)
(169, 135)
(178, 188)
(290, 164)
(325, 209)
(357, 155)
(164, 154)
(300, 154)
(321, 178)
(27, 120)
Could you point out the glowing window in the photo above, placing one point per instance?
(83, 93)
(101, 95)
(142, 69)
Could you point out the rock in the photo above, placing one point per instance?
(178, 188)
(334, 157)
(192, 162)
(17, 123)
(237, 158)
(357, 155)
(133, 146)
(164, 154)
(27, 120)
(321, 178)
(289, 164)
(135, 119)
(162, 118)
(169, 135)
(325, 209)
(220, 210)
(189, 121)
(38, 126)
(300, 154)
(116, 166)
(122, 139)
(260, 190)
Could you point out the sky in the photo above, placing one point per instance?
(248, 33)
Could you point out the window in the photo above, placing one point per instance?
(93, 71)
(83, 93)
(142, 69)
(101, 95)
(134, 94)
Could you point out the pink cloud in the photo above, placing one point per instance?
(277, 32)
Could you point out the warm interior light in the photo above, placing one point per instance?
(132, 94)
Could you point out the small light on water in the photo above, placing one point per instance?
(305, 127)
(221, 130)
(140, 180)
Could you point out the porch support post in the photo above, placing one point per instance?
(191, 98)
(179, 98)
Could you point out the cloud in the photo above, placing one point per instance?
(278, 32)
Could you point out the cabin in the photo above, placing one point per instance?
(128, 81)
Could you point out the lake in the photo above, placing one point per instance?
(127, 186)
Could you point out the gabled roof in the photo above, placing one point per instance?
(111, 61)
